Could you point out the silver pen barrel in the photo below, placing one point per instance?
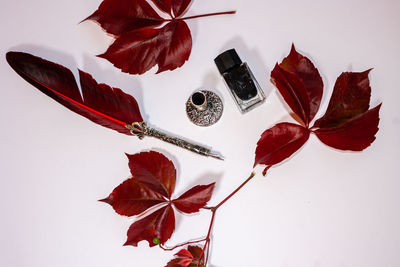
(140, 129)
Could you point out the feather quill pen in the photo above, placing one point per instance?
(100, 103)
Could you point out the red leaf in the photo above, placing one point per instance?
(121, 16)
(300, 84)
(132, 198)
(350, 98)
(355, 135)
(191, 257)
(109, 107)
(280, 142)
(154, 228)
(169, 47)
(155, 171)
(194, 199)
(309, 75)
(183, 253)
(185, 262)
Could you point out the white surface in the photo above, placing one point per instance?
(322, 208)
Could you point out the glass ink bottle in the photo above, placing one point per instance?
(240, 80)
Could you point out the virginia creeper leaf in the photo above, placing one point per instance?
(120, 16)
(155, 171)
(184, 253)
(109, 107)
(309, 75)
(138, 51)
(350, 98)
(300, 85)
(152, 183)
(190, 258)
(355, 134)
(157, 226)
(194, 199)
(280, 142)
(141, 43)
(132, 198)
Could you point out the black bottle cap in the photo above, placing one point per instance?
(227, 60)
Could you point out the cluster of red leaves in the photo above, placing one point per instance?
(348, 123)
(152, 184)
(188, 258)
(141, 42)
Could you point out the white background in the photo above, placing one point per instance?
(321, 208)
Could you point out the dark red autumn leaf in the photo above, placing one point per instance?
(280, 142)
(140, 41)
(300, 84)
(184, 253)
(152, 183)
(155, 228)
(109, 107)
(194, 199)
(178, 7)
(355, 134)
(155, 171)
(169, 47)
(350, 98)
(190, 257)
(120, 16)
(132, 198)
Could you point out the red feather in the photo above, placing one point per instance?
(109, 107)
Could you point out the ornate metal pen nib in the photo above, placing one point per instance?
(140, 129)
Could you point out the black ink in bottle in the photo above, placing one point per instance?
(240, 80)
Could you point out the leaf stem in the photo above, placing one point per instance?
(210, 14)
(213, 211)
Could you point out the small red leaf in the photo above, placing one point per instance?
(155, 171)
(183, 253)
(355, 135)
(194, 199)
(194, 252)
(350, 98)
(132, 198)
(121, 16)
(280, 142)
(169, 47)
(157, 226)
(185, 262)
(309, 75)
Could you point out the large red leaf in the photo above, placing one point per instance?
(155, 228)
(350, 98)
(189, 257)
(155, 171)
(121, 16)
(169, 47)
(152, 183)
(300, 84)
(280, 142)
(140, 41)
(355, 134)
(194, 199)
(132, 198)
(109, 107)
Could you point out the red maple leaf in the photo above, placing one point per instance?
(188, 258)
(144, 38)
(152, 184)
(348, 123)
